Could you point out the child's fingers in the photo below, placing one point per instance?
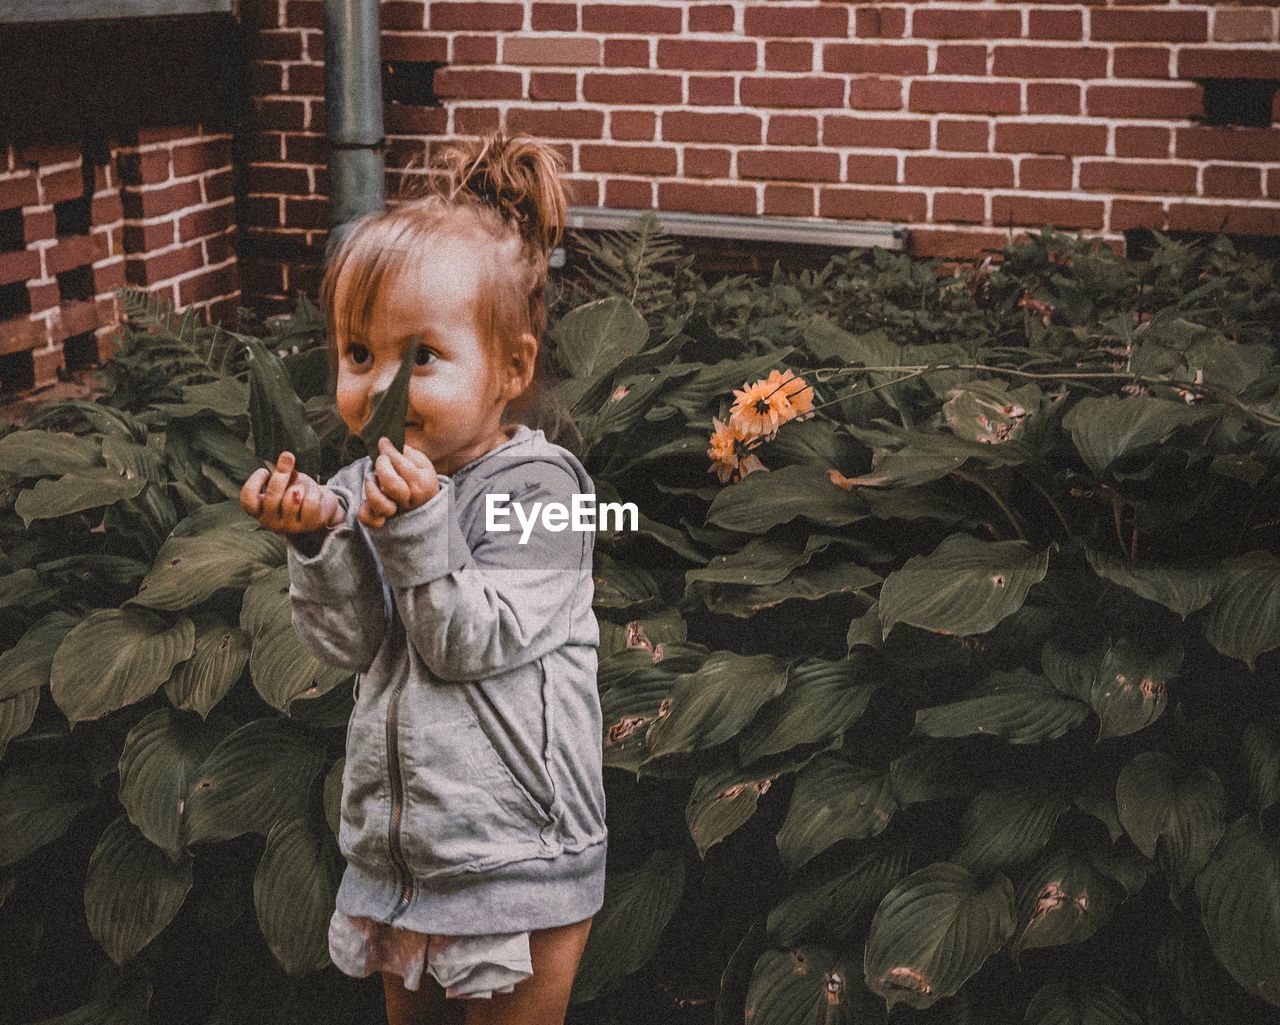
(366, 516)
(308, 509)
(389, 480)
(418, 458)
(281, 478)
(379, 503)
(331, 514)
(251, 493)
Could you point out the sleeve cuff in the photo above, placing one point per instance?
(337, 569)
(423, 544)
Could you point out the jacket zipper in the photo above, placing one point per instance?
(397, 804)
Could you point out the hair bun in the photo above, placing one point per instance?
(517, 175)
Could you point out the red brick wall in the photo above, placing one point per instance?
(960, 120)
(154, 210)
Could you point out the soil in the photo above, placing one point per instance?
(15, 409)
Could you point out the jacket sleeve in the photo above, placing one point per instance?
(477, 610)
(337, 599)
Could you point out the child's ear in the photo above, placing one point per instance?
(521, 366)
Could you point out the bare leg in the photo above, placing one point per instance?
(543, 998)
(424, 1006)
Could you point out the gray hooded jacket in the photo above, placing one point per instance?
(472, 795)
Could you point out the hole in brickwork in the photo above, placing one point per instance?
(77, 284)
(14, 300)
(17, 372)
(80, 351)
(410, 83)
(1239, 101)
(11, 236)
(72, 217)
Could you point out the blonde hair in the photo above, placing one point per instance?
(501, 193)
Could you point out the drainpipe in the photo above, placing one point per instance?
(353, 112)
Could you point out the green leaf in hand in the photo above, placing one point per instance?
(390, 408)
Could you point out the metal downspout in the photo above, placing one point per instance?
(353, 112)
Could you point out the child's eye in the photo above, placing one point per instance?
(358, 354)
(424, 356)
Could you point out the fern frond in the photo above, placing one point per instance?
(640, 263)
(146, 309)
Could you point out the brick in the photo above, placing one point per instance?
(961, 59)
(38, 225)
(220, 185)
(1036, 211)
(633, 125)
(875, 59)
(19, 265)
(1143, 23)
(282, 45)
(554, 17)
(984, 172)
(637, 19)
(710, 18)
(476, 120)
(1046, 24)
(966, 97)
(201, 157)
(1178, 101)
(785, 130)
(44, 154)
(966, 136)
(1243, 25)
(559, 124)
(305, 13)
(278, 113)
(1238, 220)
(711, 91)
(416, 47)
(221, 281)
(107, 277)
(1045, 137)
(626, 53)
(1234, 182)
(18, 191)
(19, 334)
(266, 78)
(1053, 98)
(467, 83)
(788, 165)
(549, 49)
(200, 223)
(165, 200)
(1050, 62)
(706, 55)
(45, 365)
(788, 55)
(875, 94)
(1045, 173)
(1232, 63)
(632, 88)
(872, 204)
(306, 149)
(1273, 183)
(1225, 143)
(148, 168)
(401, 119)
(62, 185)
(279, 180)
(718, 199)
(871, 169)
(880, 22)
(961, 207)
(792, 92)
(788, 201)
(306, 213)
(691, 126)
(71, 252)
(154, 268)
(877, 133)
(74, 318)
(1137, 177)
(706, 163)
(474, 17)
(628, 194)
(809, 22)
(551, 85)
(143, 238)
(1142, 62)
(260, 14)
(954, 23)
(1127, 214)
(474, 49)
(1134, 141)
(956, 243)
(627, 159)
(398, 15)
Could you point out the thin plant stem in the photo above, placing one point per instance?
(978, 482)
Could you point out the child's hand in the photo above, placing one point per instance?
(404, 481)
(292, 502)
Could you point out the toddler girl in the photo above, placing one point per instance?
(472, 795)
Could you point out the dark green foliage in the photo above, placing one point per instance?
(969, 701)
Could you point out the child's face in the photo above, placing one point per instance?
(455, 405)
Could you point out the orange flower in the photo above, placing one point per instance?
(730, 452)
(763, 406)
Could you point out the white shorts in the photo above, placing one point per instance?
(472, 967)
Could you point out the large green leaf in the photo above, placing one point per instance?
(1104, 429)
(1064, 900)
(804, 986)
(715, 702)
(595, 337)
(811, 582)
(832, 906)
(391, 407)
(253, 778)
(629, 708)
(988, 412)
(189, 569)
(1260, 746)
(1080, 1002)
(276, 412)
(726, 797)
(131, 891)
(27, 664)
(32, 453)
(161, 756)
(1015, 705)
(1182, 589)
(16, 716)
(761, 501)
(115, 657)
(833, 801)
(822, 699)
(624, 936)
(293, 893)
(1243, 620)
(1239, 893)
(965, 586)
(77, 491)
(1132, 685)
(37, 803)
(1180, 813)
(1007, 826)
(220, 653)
(932, 931)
